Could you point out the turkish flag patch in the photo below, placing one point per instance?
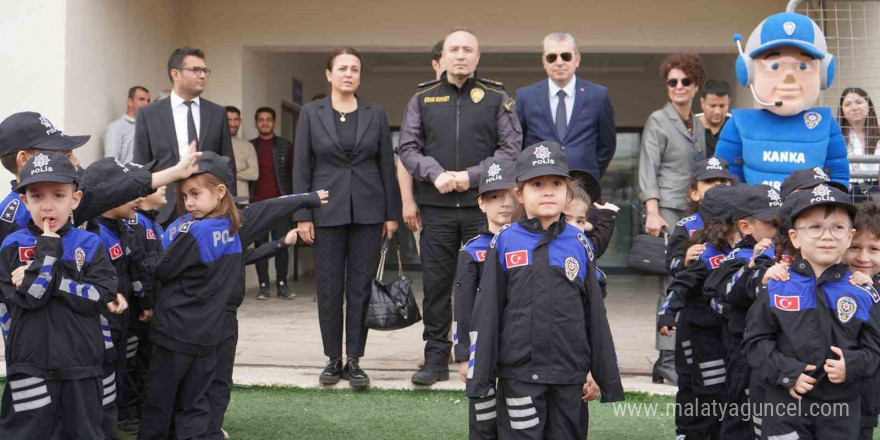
(115, 251)
(481, 255)
(516, 259)
(787, 303)
(26, 253)
(716, 261)
(151, 235)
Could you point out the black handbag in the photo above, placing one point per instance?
(392, 306)
(648, 253)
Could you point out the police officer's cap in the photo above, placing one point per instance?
(46, 167)
(541, 159)
(760, 201)
(497, 176)
(27, 130)
(213, 163)
(805, 179)
(717, 204)
(712, 168)
(822, 194)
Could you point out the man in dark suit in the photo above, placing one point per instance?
(165, 129)
(275, 160)
(569, 110)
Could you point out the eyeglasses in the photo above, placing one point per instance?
(837, 231)
(551, 57)
(198, 70)
(685, 82)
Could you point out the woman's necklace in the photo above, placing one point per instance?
(341, 115)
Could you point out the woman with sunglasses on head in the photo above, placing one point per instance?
(858, 121)
(672, 142)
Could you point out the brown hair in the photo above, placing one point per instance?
(689, 63)
(868, 218)
(10, 163)
(713, 233)
(782, 241)
(343, 51)
(872, 135)
(519, 211)
(225, 208)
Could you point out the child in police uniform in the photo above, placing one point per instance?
(58, 280)
(495, 198)
(538, 307)
(814, 338)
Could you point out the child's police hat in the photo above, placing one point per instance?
(26, 130)
(589, 182)
(497, 176)
(760, 201)
(46, 167)
(807, 178)
(541, 159)
(717, 204)
(712, 168)
(109, 170)
(213, 163)
(822, 194)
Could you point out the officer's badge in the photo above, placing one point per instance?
(846, 308)
(542, 152)
(510, 105)
(714, 164)
(571, 268)
(133, 221)
(79, 255)
(775, 199)
(812, 119)
(871, 291)
(184, 228)
(789, 28)
(821, 191)
(41, 160)
(50, 128)
(477, 95)
(10, 210)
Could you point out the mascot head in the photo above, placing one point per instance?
(786, 63)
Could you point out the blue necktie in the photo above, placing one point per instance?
(561, 117)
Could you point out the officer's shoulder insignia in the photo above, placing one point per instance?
(846, 308)
(571, 268)
(491, 82)
(185, 226)
(495, 238)
(428, 83)
(871, 291)
(510, 105)
(133, 221)
(79, 256)
(10, 210)
(685, 220)
(812, 119)
(587, 246)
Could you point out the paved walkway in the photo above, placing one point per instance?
(280, 341)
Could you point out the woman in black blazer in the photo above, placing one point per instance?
(343, 145)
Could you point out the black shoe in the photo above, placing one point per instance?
(354, 375)
(332, 373)
(284, 291)
(431, 374)
(264, 292)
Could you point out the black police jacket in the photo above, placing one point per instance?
(795, 323)
(539, 316)
(467, 278)
(686, 290)
(456, 129)
(675, 251)
(55, 324)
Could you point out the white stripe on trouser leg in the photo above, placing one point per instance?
(790, 436)
(21, 383)
(688, 352)
(518, 401)
(713, 373)
(109, 399)
(34, 404)
(524, 424)
(479, 406)
(486, 416)
(757, 420)
(712, 364)
(685, 343)
(110, 389)
(758, 432)
(715, 381)
(109, 379)
(31, 393)
(522, 412)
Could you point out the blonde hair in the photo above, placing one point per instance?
(226, 207)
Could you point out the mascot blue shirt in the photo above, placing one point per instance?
(763, 147)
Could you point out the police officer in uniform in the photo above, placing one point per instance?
(452, 128)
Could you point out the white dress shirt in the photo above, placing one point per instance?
(553, 89)
(179, 110)
(856, 148)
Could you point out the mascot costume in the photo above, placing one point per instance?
(785, 64)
